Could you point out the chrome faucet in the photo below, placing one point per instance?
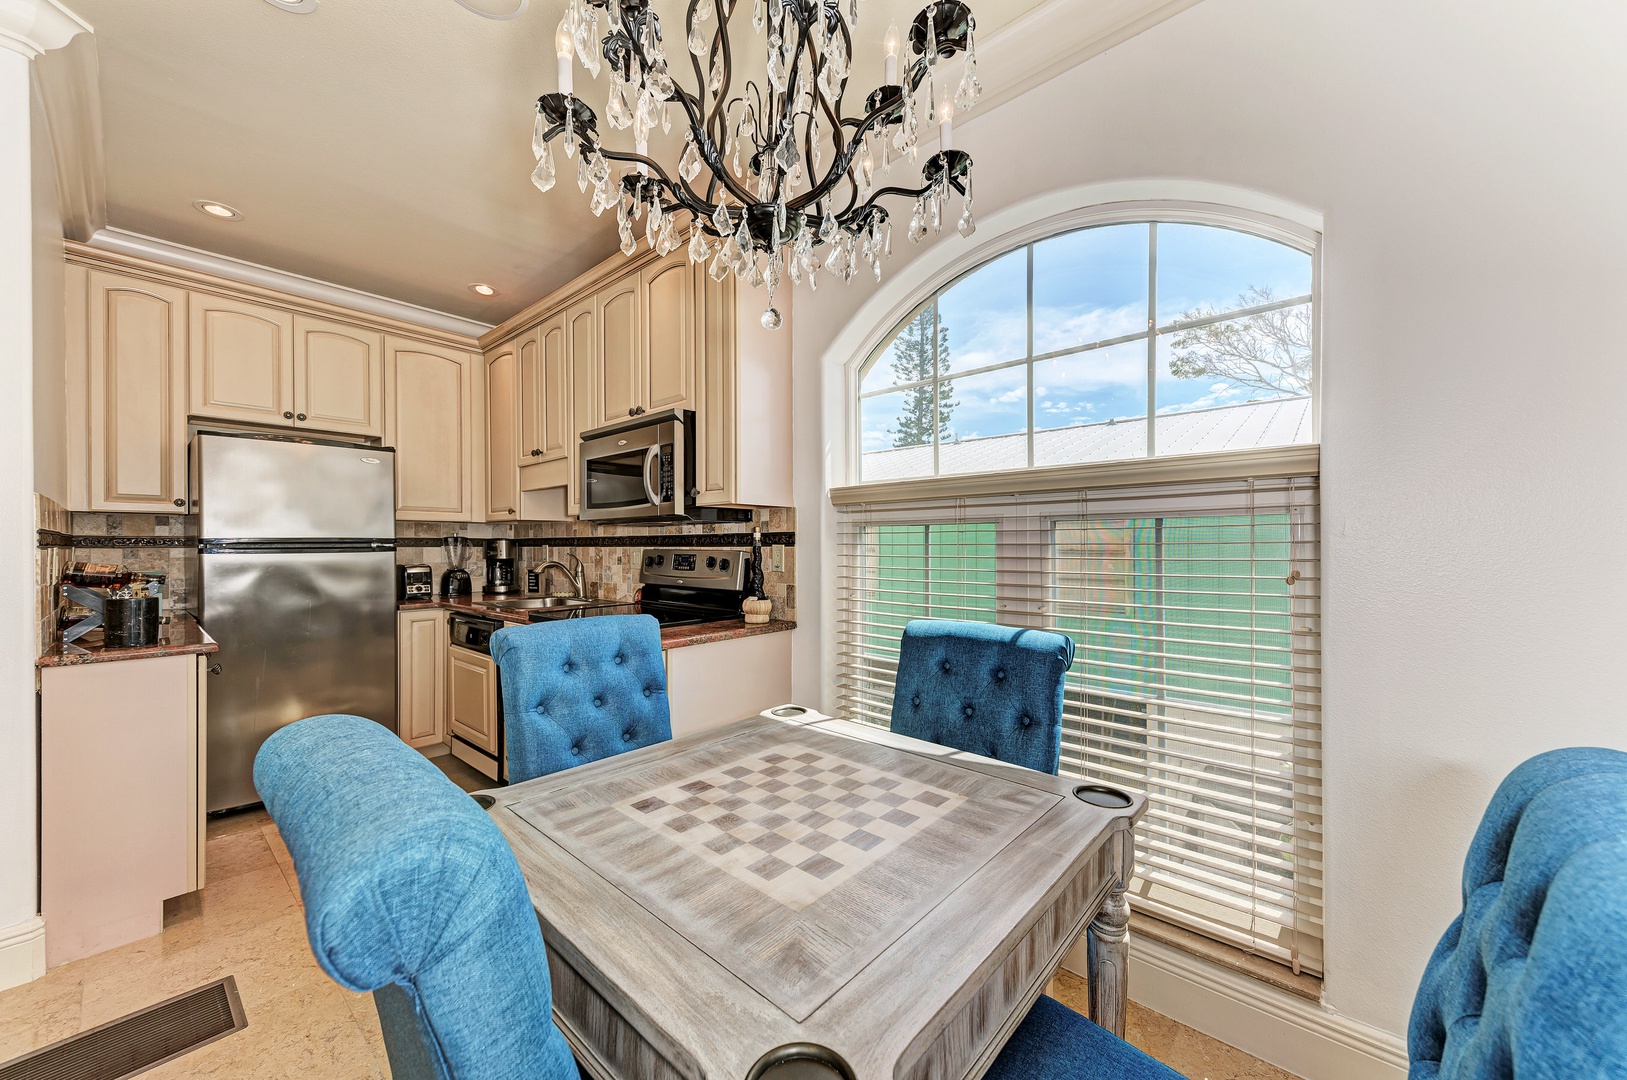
(576, 577)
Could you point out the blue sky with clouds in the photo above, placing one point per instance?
(1089, 285)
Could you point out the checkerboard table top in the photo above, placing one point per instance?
(840, 844)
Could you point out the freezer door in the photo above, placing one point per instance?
(301, 634)
(262, 488)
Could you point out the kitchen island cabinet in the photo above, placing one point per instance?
(122, 774)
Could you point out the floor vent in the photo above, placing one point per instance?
(135, 1043)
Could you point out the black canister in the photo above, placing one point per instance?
(131, 622)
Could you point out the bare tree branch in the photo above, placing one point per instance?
(1268, 351)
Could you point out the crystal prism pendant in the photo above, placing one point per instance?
(615, 109)
(570, 136)
(827, 226)
(757, 14)
(689, 166)
(543, 174)
(538, 129)
(629, 243)
(714, 81)
(720, 266)
(698, 248)
(720, 222)
(582, 173)
(966, 226)
(771, 318)
(704, 11)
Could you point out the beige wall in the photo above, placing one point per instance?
(50, 401)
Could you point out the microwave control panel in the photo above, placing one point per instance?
(666, 488)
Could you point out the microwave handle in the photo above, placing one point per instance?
(652, 458)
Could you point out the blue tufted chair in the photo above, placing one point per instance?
(411, 892)
(577, 690)
(990, 690)
(1530, 981)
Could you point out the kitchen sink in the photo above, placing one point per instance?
(536, 603)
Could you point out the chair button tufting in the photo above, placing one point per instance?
(967, 710)
(541, 711)
(576, 748)
(620, 659)
(1026, 721)
(567, 667)
(598, 703)
(627, 736)
(999, 674)
(647, 692)
(916, 700)
(946, 667)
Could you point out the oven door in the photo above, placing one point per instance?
(633, 475)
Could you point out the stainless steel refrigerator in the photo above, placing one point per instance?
(297, 552)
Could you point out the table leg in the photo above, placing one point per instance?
(1109, 952)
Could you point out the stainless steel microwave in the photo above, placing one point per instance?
(643, 469)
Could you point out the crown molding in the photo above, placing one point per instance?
(207, 263)
(69, 89)
(1053, 37)
(32, 27)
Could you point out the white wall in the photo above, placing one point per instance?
(1468, 161)
(50, 342)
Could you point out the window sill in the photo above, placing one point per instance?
(1303, 459)
(1270, 972)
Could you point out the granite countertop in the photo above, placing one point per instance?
(673, 637)
(181, 636)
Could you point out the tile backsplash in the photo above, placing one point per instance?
(610, 553)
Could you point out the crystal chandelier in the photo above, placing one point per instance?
(786, 172)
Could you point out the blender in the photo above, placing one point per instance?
(455, 581)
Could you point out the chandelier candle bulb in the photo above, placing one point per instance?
(563, 47)
(946, 127)
(890, 64)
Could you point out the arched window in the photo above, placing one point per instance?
(1123, 340)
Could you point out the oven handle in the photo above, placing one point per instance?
(652, 456)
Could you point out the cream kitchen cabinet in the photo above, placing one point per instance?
(432, 422)
(338, 377)
(421, 674)
(743, 401)
(471, 699)
(581, 343)
(545, 394)
(502, 433)
(127, 365)
(242, 361)
(619, 333)
(668, 298)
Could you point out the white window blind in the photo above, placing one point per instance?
(1194, 609)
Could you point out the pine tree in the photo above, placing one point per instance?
(912, 362)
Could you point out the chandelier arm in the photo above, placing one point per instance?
(840, 166)
(688, 199)
(863, 210)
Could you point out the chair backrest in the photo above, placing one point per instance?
(991, 690)
(411, 891)
(1530, 981)
(577, 690)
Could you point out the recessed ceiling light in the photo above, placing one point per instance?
(298, 7)
(496, 9)
(483, 289)
(218, 209)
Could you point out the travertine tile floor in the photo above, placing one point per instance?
(249, 923)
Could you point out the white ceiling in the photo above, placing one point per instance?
(382, 145)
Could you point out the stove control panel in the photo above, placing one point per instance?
(698, 568)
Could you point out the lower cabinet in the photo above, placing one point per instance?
(121, 799)
(716, 684)
(472, 698)
(421, 676)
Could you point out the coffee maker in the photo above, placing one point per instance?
(500, 579)
(455, 580)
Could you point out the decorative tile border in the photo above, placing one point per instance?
(82, 540)
(694, 540)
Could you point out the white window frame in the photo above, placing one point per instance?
(1269, 226)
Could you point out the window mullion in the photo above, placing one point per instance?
(1152, 339)
(1030, 354)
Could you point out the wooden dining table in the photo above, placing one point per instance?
(795, 896)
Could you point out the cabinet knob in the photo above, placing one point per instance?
(536, 453)
(287, 416)
(214, 669)
(301, 416)
(632, 412)
(180, 502)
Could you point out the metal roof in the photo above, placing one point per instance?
(1279, 422)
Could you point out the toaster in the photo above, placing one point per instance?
(415, 582)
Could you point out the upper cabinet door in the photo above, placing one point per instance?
(137, 392)
(242, 361)
(554, 400)
(502, 434)
(669, 328)
(338, 377)
(620, 344)
(581, 349)
(529, 443)
(431, 422)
